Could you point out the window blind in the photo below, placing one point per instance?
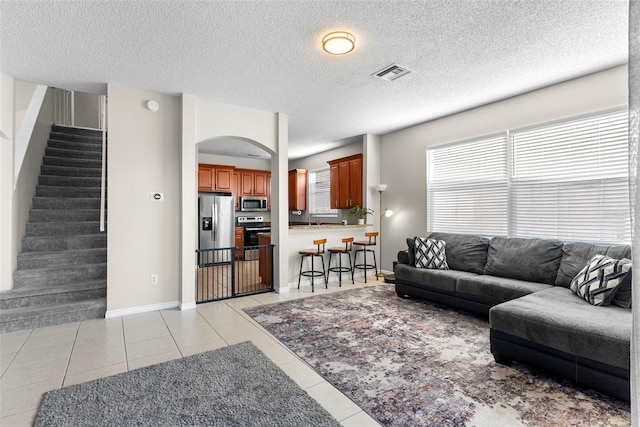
(319, 183)
(570, 180)
(467, 187)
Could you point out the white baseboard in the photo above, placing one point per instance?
(283, 289)
(140, 309)
(188, 306)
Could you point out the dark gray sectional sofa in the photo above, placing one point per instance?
(534, 318)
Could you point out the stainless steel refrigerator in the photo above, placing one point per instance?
(216, 226)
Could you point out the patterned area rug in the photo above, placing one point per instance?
(412, 363)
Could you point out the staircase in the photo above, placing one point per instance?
(62, 270)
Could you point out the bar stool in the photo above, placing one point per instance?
(317, 252)
(372, 235)
(346, 250)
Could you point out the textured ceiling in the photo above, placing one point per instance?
(267, 54)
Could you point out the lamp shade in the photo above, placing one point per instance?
(338, 43)
(381, 187)
(388, 213)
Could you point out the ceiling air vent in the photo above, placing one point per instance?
(392, 72)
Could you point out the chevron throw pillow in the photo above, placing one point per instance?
(600, 279)
(430, 253)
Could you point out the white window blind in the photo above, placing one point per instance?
(467, 187)
(319, 193)
(570, 180)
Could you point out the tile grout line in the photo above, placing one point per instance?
(66, 369)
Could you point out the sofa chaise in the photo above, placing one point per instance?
(523, 286)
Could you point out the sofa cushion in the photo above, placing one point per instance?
(433, 280)
(494, 290)
(556, 318)
(464, 252)
(411, 250)
(430, 253)
(622, 298)
(600, 279)
(576, 255)
(532, 260)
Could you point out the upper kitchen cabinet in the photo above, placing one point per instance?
(260, 183)
(214, 177)
(269, 190)
(298, 189)
(346, 182)
(252, 182)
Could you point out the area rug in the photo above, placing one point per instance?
(232, 386)
(412, 363)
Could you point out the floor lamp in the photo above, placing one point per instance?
(383, 214)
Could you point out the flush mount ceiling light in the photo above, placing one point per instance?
(338, 43)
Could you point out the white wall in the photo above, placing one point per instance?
(319, 161)
(238, 162)
(403, 159)
(7, 120)
(202, 120)
(87, 110)
(27, 180)
(23, 91)
(143, 155)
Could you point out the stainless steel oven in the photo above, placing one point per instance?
(253, 203)
(252, 226)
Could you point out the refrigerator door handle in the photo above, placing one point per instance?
(214, 219)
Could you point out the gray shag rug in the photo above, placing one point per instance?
(232, 386)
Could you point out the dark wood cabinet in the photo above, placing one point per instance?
(346, 182)
(298, 189)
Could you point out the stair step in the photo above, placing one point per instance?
(72, 154)
(74, 145)
(58, 275)
(76, 130)
(69, 181)
(72, 137)
(67, 192)
(66, 203)
(30, 260)
(53, 314)
(70, 171)
(62, 228)
(62, 215)
(61, 294)
(66, 162)
(63, 243)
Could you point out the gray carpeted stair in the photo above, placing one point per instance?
(62, 269)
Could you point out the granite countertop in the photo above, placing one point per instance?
(306, 226)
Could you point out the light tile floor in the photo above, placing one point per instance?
(34, 361)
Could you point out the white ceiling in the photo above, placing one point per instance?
(267, 54)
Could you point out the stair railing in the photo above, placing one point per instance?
(64, 107)
(103, 173)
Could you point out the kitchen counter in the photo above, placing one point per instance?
(306, 226)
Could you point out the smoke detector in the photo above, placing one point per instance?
(391, 72)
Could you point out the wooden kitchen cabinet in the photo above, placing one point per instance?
(246, 182)
(260, 183)
(269, 190)
(298, 189)
(214, 177)
(239, 241)
(346, 182)
(265, 257)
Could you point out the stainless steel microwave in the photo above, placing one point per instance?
(253, 203)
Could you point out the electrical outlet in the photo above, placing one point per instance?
(154, 279)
